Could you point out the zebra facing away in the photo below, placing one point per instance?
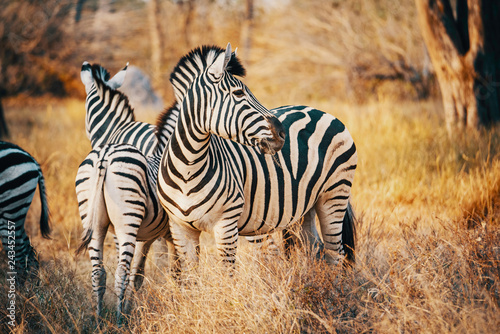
(116, 190)
(110, 119)
(214, 177)
(19, 176)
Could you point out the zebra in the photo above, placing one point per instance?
(116, 189)
(20, 174)
(110, 119)
(233, 168)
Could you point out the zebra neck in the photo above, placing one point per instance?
(188, 148)
(106, 115)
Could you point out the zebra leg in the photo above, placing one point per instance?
(331, 208)
(17, 244)
(226, 240)
(161, 253)
(263, 244)
(140, 256)
(187, 244)
(303, 234)
(308, 234)
(169, 251)
(137, 272)
(122, 273)
(96, 247)
(12, 230)
(117, 247)
(173, 259)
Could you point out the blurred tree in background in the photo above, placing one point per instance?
(33, 49)
(358, 50)
(463, 38)
(35, 46)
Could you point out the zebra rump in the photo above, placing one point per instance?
(115, 187)
(18, 173)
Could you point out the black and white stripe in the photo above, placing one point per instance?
(209, 181)
(116, 190)
(109, 117)
(19, 176)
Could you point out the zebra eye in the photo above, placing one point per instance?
(239, 93)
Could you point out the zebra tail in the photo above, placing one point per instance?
(93, 212)
(44, 216)
(349, 234)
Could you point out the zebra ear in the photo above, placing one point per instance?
(220, 64)
(86, 76)
(117, 81)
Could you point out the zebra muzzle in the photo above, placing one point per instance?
(274, 144)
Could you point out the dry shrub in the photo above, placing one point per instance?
(355, 50)
(36, 47)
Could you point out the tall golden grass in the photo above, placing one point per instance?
(427, 247)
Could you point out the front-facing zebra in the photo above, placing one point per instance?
(19, 176)
(215, 177)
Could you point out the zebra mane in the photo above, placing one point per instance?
(165, 124)
(99, 72)
(101, 76)
(196, 62)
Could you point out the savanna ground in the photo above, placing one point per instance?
(428, 236)
(427, 205)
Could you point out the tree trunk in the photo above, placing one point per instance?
(188, 19)
(154, 14)
(464, 49)
(4, 131)
(246, 29)
(78, 10)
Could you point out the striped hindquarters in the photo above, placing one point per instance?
(19, 176)
(113, 186)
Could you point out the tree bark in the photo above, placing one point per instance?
(464, 49)
(246, 29)
(78, 10)
(188, 19)
(4, 131)
(154, 14)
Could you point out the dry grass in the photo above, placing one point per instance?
(427, 205)
(419, 268)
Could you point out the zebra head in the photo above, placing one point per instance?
(206, 78)
(91, 72)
